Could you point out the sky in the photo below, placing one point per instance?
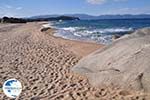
(27, 8)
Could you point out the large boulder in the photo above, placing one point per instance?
(125, 63)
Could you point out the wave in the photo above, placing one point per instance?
(46, 25)
(73, 29)
(106, 30)
(98, 35)
(114, 30)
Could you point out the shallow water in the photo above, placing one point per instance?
(100, 31)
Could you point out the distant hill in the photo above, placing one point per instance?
(83, 16)
(71, 17)
(86, 16)
(12, 20)
(33, 19)
(52, 18)
(127, 16)
(43, 16)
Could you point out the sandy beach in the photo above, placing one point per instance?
(42, 63)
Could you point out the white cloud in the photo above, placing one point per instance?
(120, 0)
(8, 6)
(19, 8)
(101, 1)
(11, 11)
(96, 1)
(145, 10)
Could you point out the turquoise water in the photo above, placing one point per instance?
(100, 31)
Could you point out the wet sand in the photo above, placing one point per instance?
(42, 63)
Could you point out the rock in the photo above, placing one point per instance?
(114, 37)
(125, 63)
(46, 29)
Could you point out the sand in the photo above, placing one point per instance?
(42, 63)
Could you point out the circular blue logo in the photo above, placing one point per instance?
(12, 88)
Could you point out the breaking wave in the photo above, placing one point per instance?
(85, 34)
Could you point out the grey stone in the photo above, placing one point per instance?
(125, 63)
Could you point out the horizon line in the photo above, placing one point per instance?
(74, 14)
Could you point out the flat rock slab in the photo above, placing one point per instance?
(125, 63)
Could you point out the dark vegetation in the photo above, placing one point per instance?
(12, 20)
(54, 18)
(25, 20)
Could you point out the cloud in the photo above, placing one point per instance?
(9, 10)
(8, 6)
(96, 1)
(18, 8)
(101, 1)
(119, 0)
(145, 10)
(11, 7)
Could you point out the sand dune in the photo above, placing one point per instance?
(42, 64)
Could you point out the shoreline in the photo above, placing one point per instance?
(82, 33)
(48, 26)
(42, 63)
(76, 45)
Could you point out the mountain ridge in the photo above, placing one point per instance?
(92, 17)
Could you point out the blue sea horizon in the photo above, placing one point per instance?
(99, 31)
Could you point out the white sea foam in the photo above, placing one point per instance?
(46, 25)
(114, 30)
(98, 35)
(72, 29)
(107, 30)
(50, 24)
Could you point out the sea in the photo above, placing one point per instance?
(99, 31)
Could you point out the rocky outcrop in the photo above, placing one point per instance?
(125, 63)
